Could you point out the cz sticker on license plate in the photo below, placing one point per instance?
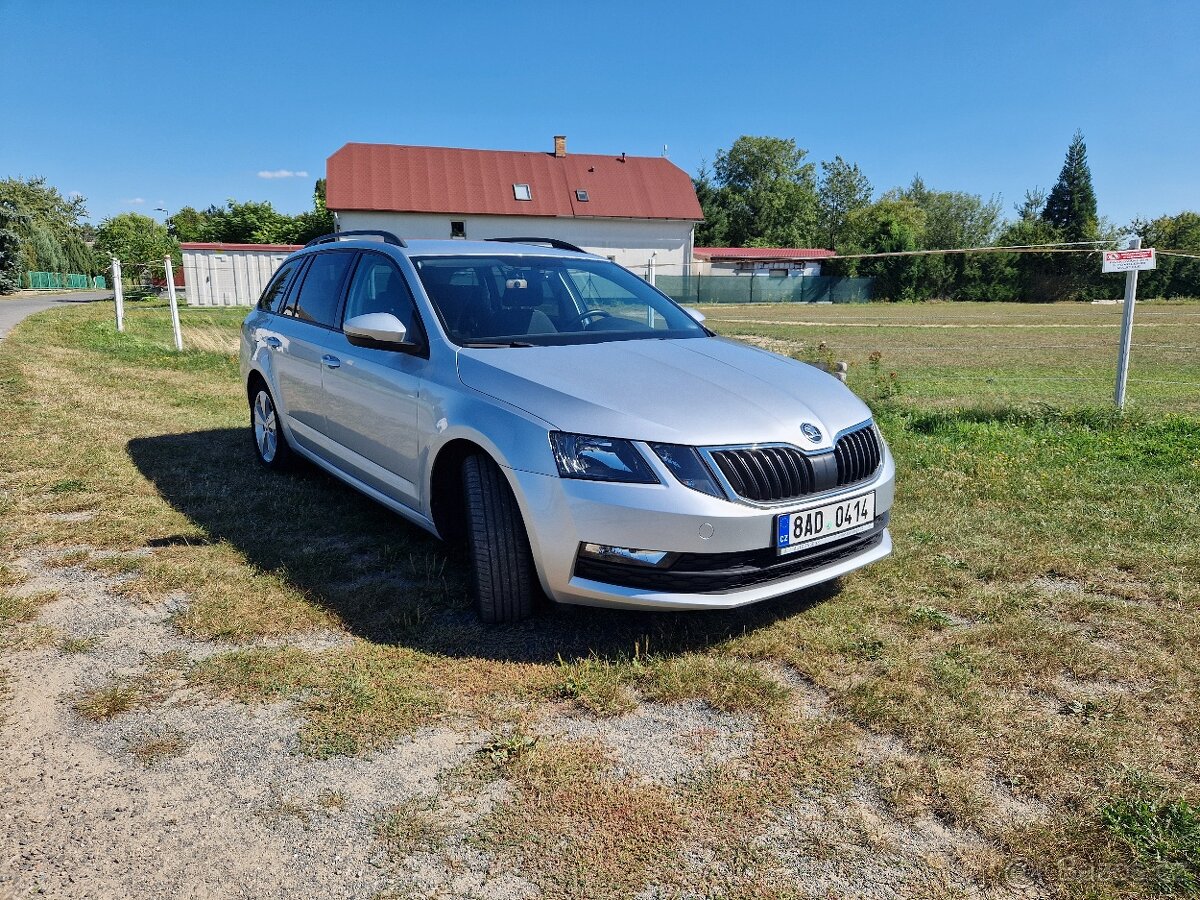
(818, 524)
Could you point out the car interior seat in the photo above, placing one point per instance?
(464, 308)
(518, 313)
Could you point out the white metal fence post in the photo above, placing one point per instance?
(1131, 278)
(174, 303)
(118, 293)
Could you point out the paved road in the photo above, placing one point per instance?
(13, 311)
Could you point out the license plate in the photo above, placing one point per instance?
(818, 524)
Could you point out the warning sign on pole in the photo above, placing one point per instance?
(1128, 260)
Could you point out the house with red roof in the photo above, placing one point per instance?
(779, 262)
(628, 208)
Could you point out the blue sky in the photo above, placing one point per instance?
(138, 105)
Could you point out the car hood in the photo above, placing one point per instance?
(697, 391)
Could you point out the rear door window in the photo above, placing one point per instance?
(321, 293)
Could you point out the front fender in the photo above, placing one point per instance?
(513, 437)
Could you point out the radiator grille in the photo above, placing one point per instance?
(858, 456)
(767, 474)
(779, 474)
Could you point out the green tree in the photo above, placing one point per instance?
(42, 204)
(889, 225)
(1070, 211)
(1175, 276)
(768, 193)
(842, 189)
(317, 221)
(1071, 204)
(139, 242)
(79, 255)
(1024, 276)
(11, 265)
(252, 222)
(43, 251)
(953, 220)
(711, 232)
(190, 225)
(47, 226)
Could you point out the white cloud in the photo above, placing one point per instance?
(134, 201)
(73, 195)
(281, 173)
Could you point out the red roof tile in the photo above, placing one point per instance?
(272, 248)
(395, 178)
(761, 253)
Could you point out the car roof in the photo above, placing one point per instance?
(451, 248)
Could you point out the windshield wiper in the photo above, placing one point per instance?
(492, 345)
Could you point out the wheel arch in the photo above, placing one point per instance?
(447, 505)
(253, 381)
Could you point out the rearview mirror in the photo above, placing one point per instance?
(694, 313)
(378, 330)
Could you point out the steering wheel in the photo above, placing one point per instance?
(584, 316)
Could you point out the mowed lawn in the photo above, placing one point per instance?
(1006, 707)
(956, 354)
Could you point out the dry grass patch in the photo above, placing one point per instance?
(154, 748)
(611, 687)
(73, 645)
(19, 628)
(580, 831)
(352, 701)
(122, 693)
(412, 827)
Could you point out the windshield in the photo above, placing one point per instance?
(527, 300)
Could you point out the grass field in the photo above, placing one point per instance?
(951, 354)
(1007, 707)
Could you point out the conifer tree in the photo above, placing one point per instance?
(1071, 205)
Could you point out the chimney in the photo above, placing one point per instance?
(560, 146)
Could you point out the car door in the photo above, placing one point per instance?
(304, 331)
(373, 396)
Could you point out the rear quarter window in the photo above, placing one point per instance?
(276, 290)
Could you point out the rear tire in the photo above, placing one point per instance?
(502, 572)
(270, 446)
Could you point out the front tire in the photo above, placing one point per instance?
(502, 573)
(270, 445)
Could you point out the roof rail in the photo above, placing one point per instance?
(388, 237)
(552, 242)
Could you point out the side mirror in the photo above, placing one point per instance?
(694, 313)
(381, 331)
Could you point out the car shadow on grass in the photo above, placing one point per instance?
(386, 579)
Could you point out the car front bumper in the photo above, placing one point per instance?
(562, 514)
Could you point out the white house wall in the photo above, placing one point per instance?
(228, 277)
(629, 241)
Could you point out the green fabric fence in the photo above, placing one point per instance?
(696, 289)
(63, 281)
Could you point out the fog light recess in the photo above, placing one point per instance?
(652, 558)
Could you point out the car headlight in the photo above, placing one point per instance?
(686, 465)
(599, 458)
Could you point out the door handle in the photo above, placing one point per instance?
(330, 362)
(273, 342)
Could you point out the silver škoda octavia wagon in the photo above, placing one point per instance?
(587, 436)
